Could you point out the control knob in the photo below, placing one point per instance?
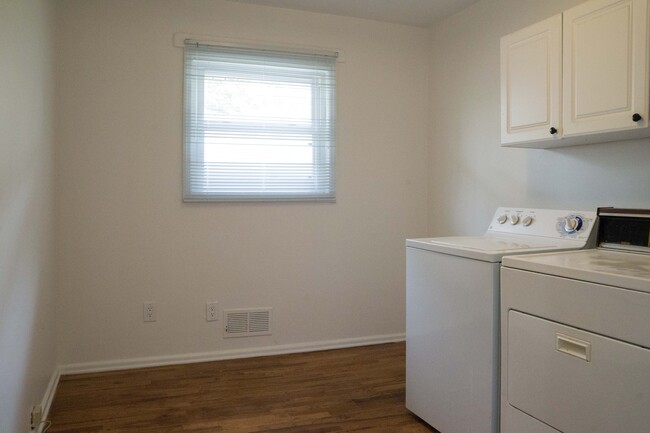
(514, 219)
(527, 221)
(572, 224)
(502, 219)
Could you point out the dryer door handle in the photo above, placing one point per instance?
(573, 346)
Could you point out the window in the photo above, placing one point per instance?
(259, 125)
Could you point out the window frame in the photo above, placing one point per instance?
(323, 150)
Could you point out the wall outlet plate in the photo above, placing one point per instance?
(36, 416)
(212, 311)
(149, 311)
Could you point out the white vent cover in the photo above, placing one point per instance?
(247, 322)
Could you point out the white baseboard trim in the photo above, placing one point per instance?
(156, 361)
(48, 397)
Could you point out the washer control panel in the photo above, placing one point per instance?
(559, 224)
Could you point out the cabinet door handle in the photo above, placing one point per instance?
(553, 130)
(636, 117)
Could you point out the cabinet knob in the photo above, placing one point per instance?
(636, 117)
(553, 131)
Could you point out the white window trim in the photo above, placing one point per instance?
(328, 192)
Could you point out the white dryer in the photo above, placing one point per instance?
(576, 334)
(452, 313)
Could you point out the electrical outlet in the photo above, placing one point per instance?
(36, 417)
(212, 311)
(149, 311)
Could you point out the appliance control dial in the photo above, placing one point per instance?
(572, 224)
(527, 221)
(514, 220)
(502, 219)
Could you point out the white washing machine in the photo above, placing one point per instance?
(452, 313)
(576, 334)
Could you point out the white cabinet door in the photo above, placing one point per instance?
(531, 74)
(605, 66)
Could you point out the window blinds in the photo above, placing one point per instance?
(258, 125)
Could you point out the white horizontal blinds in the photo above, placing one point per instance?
(259, 124)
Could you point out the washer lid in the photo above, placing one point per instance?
(613, 268)
(490, 247)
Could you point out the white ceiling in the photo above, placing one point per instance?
(421, 13)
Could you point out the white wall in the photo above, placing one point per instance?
(330, 271)
(471, 175)
(27, 352)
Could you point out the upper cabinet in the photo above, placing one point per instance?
(605, 66)
(576, 78)
(531, 83)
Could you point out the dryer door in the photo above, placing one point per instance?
(576, 381)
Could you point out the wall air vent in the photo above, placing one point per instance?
(247, 322)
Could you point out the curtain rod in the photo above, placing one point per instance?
(183, 39)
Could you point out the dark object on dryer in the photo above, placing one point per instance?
(624, 229)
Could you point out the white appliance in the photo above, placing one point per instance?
(452, 313)
(575, 334)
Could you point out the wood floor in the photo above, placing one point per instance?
(346, 390)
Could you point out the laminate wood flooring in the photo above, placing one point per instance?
(346, 390)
